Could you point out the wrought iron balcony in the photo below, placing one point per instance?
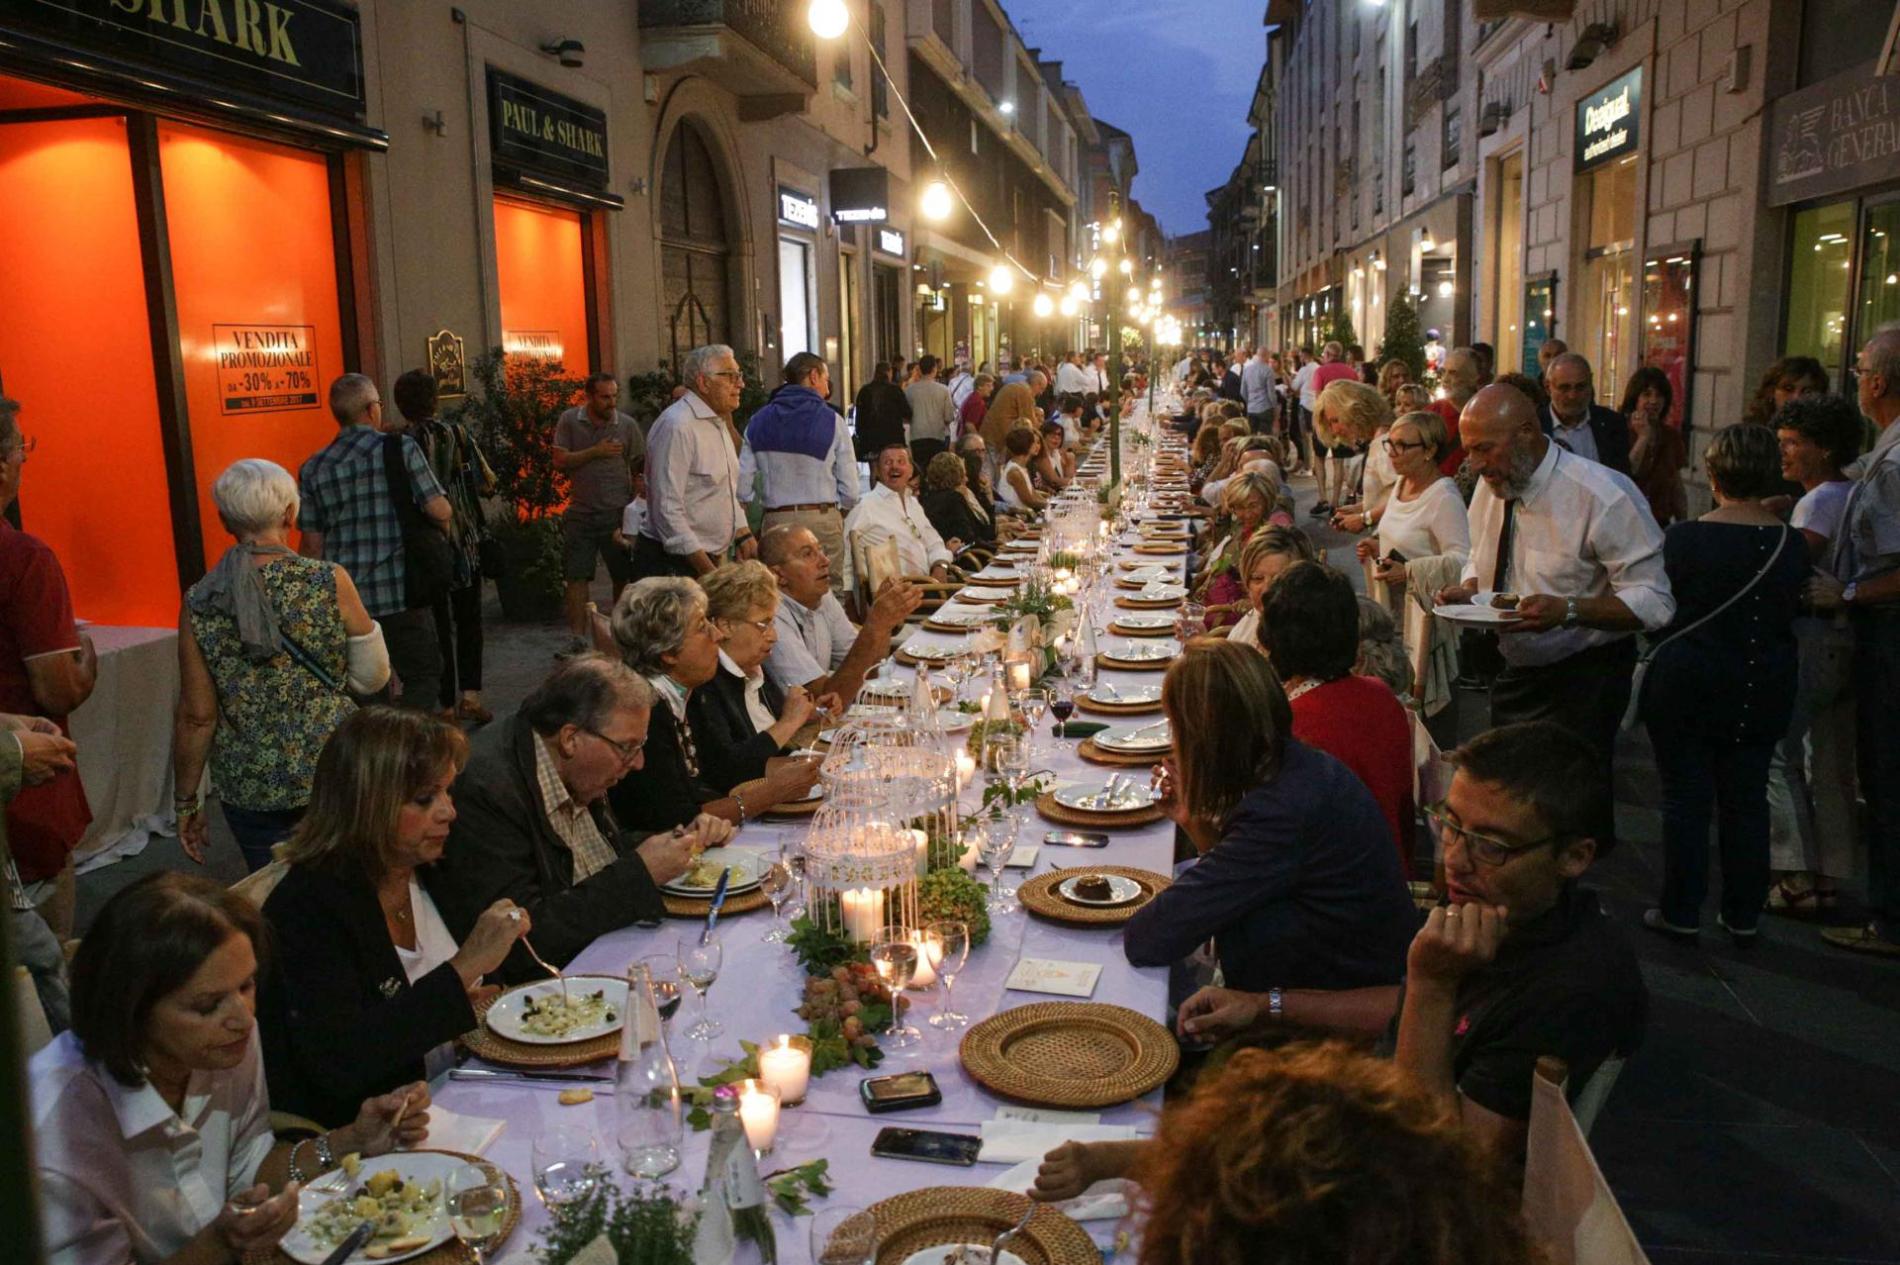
(760, 50)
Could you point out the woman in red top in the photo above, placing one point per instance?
(1309, 627)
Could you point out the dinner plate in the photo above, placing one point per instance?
(414, 1167)
(1144, 651)
(1159, 593)
(1087, 797)
(988, 596)
(1122, 890)
(887, 688)
(1133, 739)
(746, 867)
(1146, 619)
(1479, 611)
(962, 1254)
(962, 619)
(952, 721)
(505, 1019)
(935, 652)
(1130, 694)
(1148, 575)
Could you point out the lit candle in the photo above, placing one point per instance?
(758, 1112)
(923, 852)
(863, 910)
(926, 975)
(1018, 675)
(966, 763)
(786, 1068)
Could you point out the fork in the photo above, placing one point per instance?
(542, 963)
(996, 1245)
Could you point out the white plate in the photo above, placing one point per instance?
(887, 687)
(984, 595)
(415, 1166)
(1084, 795)
(1123, 889)
(1149, 575)
(1145, 651)
(952, 721)
(1131, 694)
(1154, 736)
(745, 874)
(964, 619)
(1159, 592)
(935, 652)
(1479, 611)
(1146, 619)
(504, 1017)
(973, 1254)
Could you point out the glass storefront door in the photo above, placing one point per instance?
(1818, 273)
(1879, 268)
(1507, 302)
(794, 297)
(1607, 295)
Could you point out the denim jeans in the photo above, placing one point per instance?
(257, 829)
(1704, 777)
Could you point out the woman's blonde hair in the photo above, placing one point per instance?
(945, 471)
(1248, 486)
(1350, 412)
(736, 588)
(1230, 720)
(1412, 398)
(378, 759)
(1273, 539)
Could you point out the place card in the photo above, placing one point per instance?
(1024, 856)
(1048, 1115)
(1059, 979)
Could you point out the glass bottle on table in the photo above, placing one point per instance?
(646, 1085)
(735, 1223)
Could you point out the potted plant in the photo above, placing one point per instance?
(511, 413)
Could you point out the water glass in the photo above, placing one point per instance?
(699, 966)
(776, 882)
(895, 954)
(947, 947)
(665, 974)
(567, 1165)
(477, 1204)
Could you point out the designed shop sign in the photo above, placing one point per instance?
(891, 242)
(536, 130)
(1609, 121)
(448, 365)
(860, 195)
(1842, 133)
(265, 368)
(306, 51)
(543, 344)
(797, 208)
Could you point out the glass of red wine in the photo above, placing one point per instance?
(1062, 706)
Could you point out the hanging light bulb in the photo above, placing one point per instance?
(1068, 305)
(937, 201)
(1078, 292)
(1098, 267)
(1112, 232)
(1127, 266)
(828, 18)
(1134, 296)
(1043, 305)
(1002, 279)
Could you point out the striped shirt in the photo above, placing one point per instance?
(570, 818)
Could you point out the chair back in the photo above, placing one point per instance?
(256, 887)
(28, 1014)
(1567, 1204)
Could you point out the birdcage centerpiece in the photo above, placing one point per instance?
(911, 786)
(860, 869)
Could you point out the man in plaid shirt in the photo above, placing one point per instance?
(347, 518)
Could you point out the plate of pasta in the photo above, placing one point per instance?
(703, 875)
(559, 1012)
(400, 1193)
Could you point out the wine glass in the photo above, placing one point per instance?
(995, 840)
(792, 857)
(1035, 707)
(1191, 622)
(776, 883)
(567, 1165)
(665, 974)
(477, 1204)
(1062, 706)
(894, 953)
(947, 947)
(699, 966)
(843, 1236)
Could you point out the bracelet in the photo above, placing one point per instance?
(740, 800)
(184, 809)
(325, 1156)
(296, 1173)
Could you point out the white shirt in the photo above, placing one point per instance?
(884, 513)
(1006, 490)
(1246, 630)
(1430, 525)
(692, 480)
(811, 643)
(1182, 367)
(125, 1178)
(1819, 510)
(434, 946)
(755, 709)
(1303, 383)
(1579, 438)
(1073, 379)
(1581, 530)
(961, 384)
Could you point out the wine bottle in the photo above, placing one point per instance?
(735, 1223)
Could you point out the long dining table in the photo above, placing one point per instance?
(761, 982)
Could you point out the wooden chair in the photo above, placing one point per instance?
(873, 564)
(257, 887)
(1567, 1204)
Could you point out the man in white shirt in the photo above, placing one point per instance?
(933, 417)
(1307, 388)
(818, 646)
(961, 383)
(1183, 367)
(1097, 372)
(1071, 378)
(694, 518)
(1257, 391)
(1575, 541)
(889, 511)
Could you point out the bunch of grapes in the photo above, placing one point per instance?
(839, 997)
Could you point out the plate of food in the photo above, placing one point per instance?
(983, 595)
(1160, 593)
(1134, 739)
(1485, 607)
(1091, 798)
(557, 1012)
(1133, 695)
(961, 619)
(703, 876)
(935, 651)
(1102, 891)
(400, 1192)
(1143, 651)
(1146, 619)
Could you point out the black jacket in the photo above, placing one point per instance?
(660, 794)
(730, 750)
(883, 409)
(952, 516)
(338, 1018)
(502, 844)
(1609, 428)
(1230, 388)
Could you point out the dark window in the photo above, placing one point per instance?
(1454, 134)
(943, 20)
(1408, 175)
(880, 86)
(1834, 38)
(694, 252)
(841, 64)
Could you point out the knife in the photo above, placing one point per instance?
(511, 1074)
(718, 902)
(358, 1237)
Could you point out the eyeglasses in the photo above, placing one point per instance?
(733, 374)
(627, 751)
(23, 444)
(1486, 850)
(1395, 446)
(763, 625)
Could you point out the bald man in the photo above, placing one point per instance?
(1575, 542)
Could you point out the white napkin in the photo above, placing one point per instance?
(1106, 1200)
(1014, 1141)
(472, 1135)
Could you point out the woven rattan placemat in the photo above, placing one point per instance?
(1039, 896)
(1089, 819)
(1069, 1054)
(1148, 603)
(950, 1216)
(485, 1043)
(1120, 759)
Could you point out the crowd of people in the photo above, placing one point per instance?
(331, 659)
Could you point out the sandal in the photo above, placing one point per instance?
(1794, 901)
(1865, 939)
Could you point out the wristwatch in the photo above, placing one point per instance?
(1570, 612)
(1848, 593)
(1276, 1004)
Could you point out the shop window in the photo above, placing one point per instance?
(1818, 276)
(1506, 261)
(695, 257)
(886, 292)
(1669, 280)
(794, 297)
(1879, 269)
(1608, 295)
(541, 265)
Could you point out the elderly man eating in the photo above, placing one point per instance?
(533, 825)
(818, 646)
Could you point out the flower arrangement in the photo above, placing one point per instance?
(950, 895)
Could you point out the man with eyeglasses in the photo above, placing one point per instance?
(533, 823)
(348, 517)
(1518, 962)
(695, 520)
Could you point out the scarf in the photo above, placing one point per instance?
(236, 588)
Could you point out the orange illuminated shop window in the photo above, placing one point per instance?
(254, 266)
(76, 351)
(541, 263)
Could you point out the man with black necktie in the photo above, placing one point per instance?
(1575, 542)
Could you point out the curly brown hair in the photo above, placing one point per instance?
(1321, 1153)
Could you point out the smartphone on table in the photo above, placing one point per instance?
(1077, 838)
(899, 1092)
(926, 1146)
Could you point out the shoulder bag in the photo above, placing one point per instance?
(1642, 664)
(428, 556)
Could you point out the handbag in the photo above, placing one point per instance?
(428, 571)
(1642, 664)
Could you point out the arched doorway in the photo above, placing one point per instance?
(695, 252)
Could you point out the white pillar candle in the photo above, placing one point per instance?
(1018, 670)
(786, 1068)
(926, 975)
(966, 763)
(758, 1112)
(922, 841)
(863, 910)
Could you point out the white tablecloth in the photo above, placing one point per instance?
(124, 735)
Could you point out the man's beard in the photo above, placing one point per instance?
(1517, 480)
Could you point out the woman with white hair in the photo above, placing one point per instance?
(270, 647)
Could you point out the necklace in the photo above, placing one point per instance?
(1306, 686)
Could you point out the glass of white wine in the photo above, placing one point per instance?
(894, 954)
(699, 966)
(477, 1205)
(776, 882)
(567, 1165)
